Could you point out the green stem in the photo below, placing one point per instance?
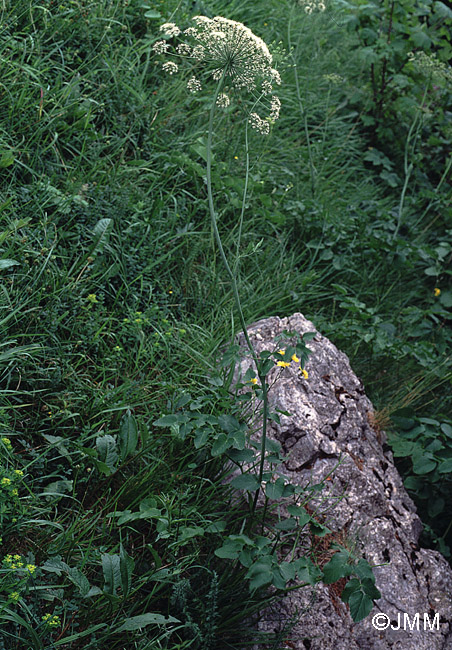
(235, 291)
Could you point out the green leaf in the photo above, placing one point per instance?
(221, 444)
(170, 420)
(424, 465)
(445, 466)
(337, 568)
(111, 567)
(242, 455)
(137, 622)
(101, 232)
(6, 159)
(286, 524)
(446, 429)
(245, 482)
(275, 490)
(126, 566)
(79, 580)
(259, 574)
(307, 571)
(228, 423)
(128, 435)
(106, 448)
(5, 264)
(301, 514)
(360, 605)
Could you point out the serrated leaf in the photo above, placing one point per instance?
(128, 435)
(245, 482)
(137, 622)
(111, 568)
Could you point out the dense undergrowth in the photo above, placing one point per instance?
(114, 304)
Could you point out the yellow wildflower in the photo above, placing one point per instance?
(283, 364)
(7, 443)
(253, 381)
(295, 358)
(31, 568)
(18, 472)
(304, 373)
(92, 298)
(5, 481)
(51, 621)
(14, 596)
(436, 291)
(15, 492)
(282, 352)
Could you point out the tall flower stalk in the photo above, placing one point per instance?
(228, 53)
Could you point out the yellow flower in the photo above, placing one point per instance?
(283, 364)
(5, 481)
(14, 596)
(295, 358)
(7, 443)
(51, 621)
(31, 568)
(236, 157)
(15, 492)
(304, 373)
(92, 298)
(281, 352)
(436, 291)
(18, 472)
(253, 381)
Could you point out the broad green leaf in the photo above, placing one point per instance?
(170, 420)
(128, 435)
(106, 448)
(301, 514)
(111, 567)
(288, 570)
(5, 264)
(221, 444)
(286, 524)
(260, 574)
(245, 482)
(137, 622)
(424, 465)
(360, 605)
(445, 466)
(228, 423)
(79, 580)
(337, 568)
(275, 490)
(242, 455)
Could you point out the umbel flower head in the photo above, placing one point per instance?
(219, 49)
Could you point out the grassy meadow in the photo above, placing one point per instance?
(116, 308)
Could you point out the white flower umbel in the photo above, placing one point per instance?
(228, 53)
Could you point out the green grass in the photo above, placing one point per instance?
(115, 308)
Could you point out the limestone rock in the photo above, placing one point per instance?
(365, 500)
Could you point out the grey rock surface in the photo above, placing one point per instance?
(365, 500)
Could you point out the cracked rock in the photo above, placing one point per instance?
(366, 498)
